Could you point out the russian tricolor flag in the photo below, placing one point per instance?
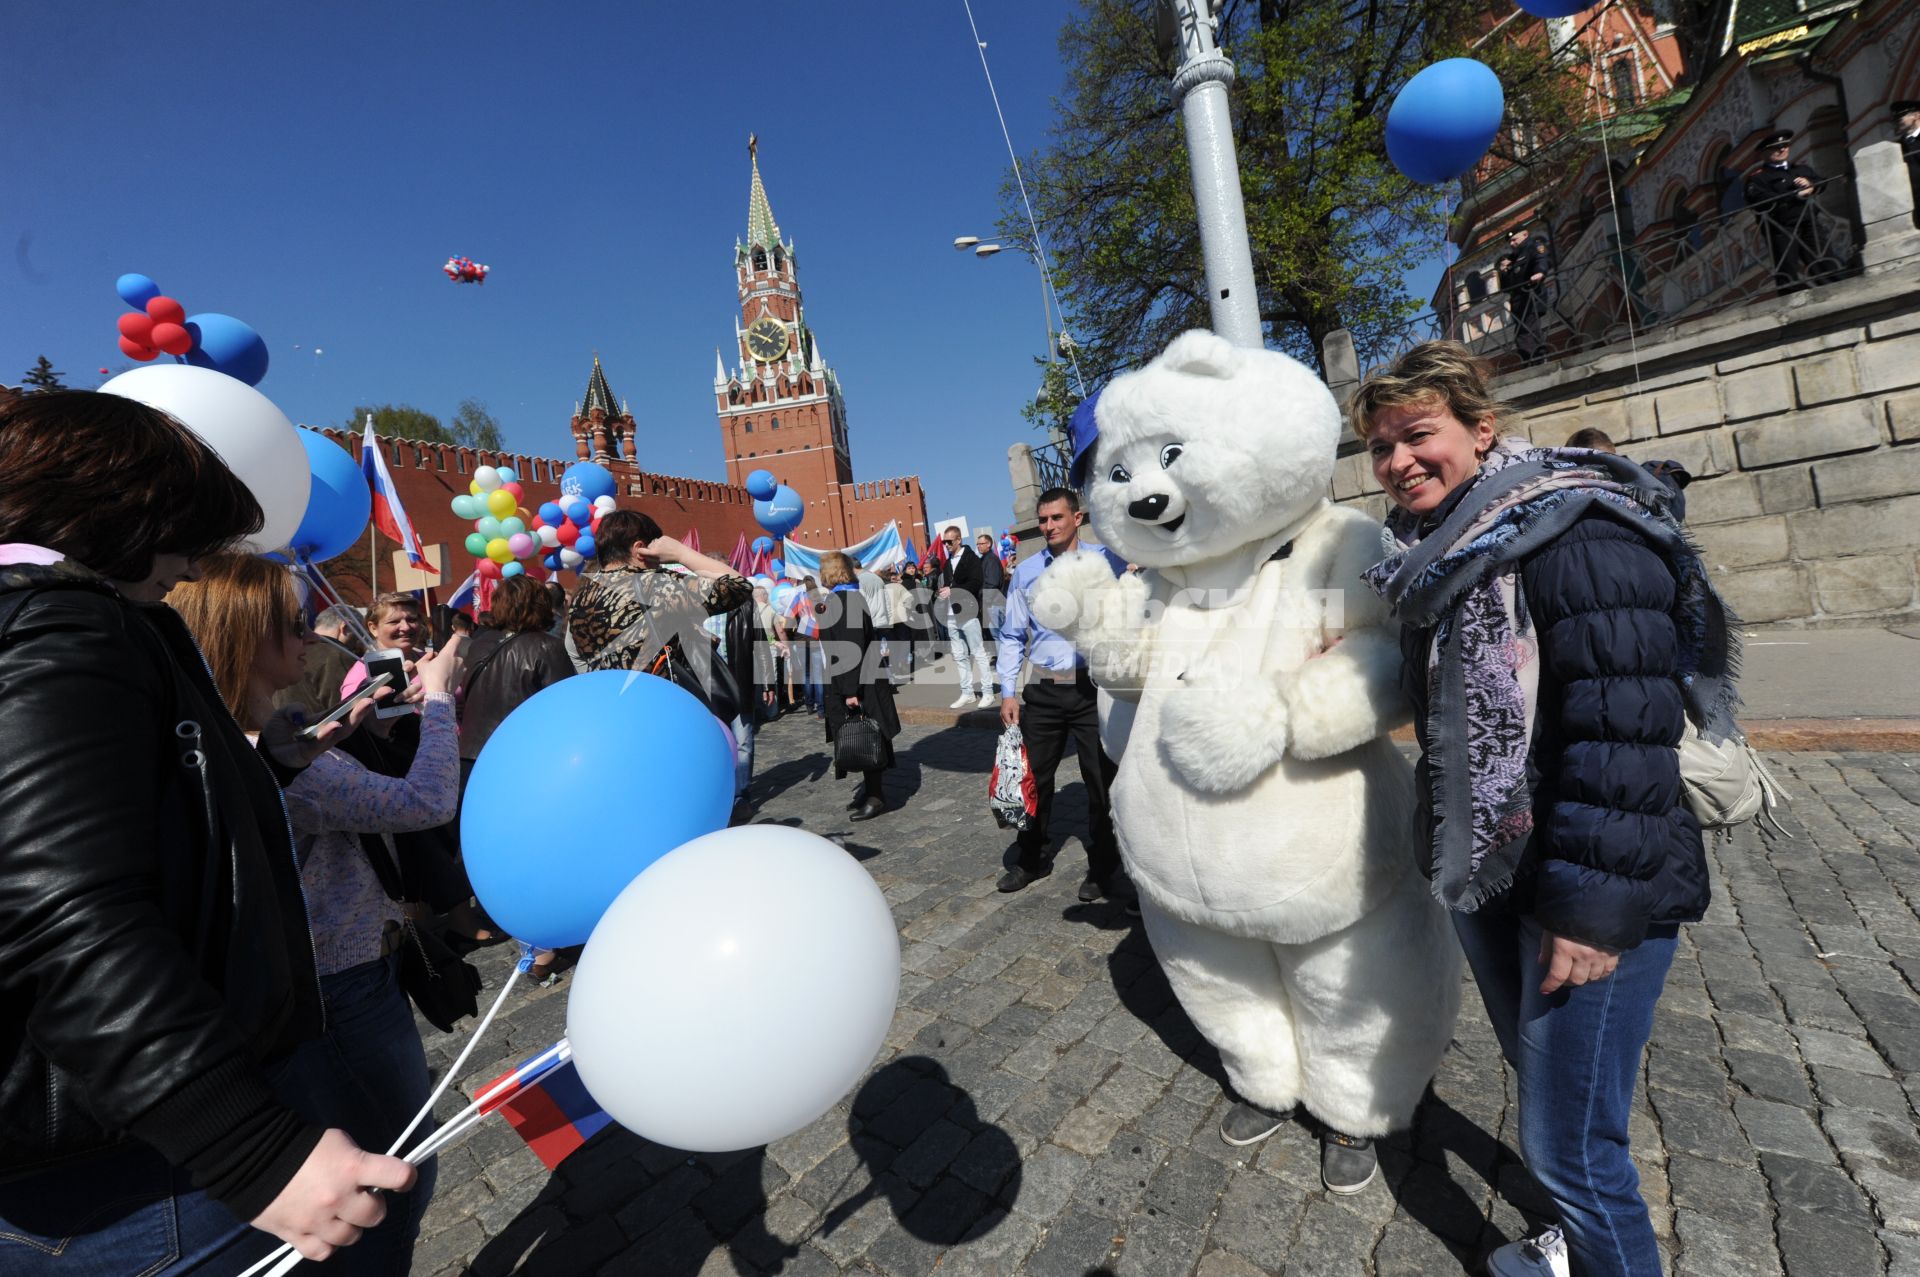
(548, 1107)
(388, 514)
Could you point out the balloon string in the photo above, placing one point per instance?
(288, 1257)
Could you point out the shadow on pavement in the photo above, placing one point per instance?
(661, 1211)
(947, 1176)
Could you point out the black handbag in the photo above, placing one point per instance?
(717, 690)
(444, 986)
(859, 745)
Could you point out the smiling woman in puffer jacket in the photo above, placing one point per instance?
(1557, 633)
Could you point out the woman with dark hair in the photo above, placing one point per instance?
(507, 664)
(634, 605)
(1558, 635)
(366, 1072)
(156, 970)
(849, 644)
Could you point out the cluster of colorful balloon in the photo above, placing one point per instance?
(207, 340)
(565, 530)
(464, 270)
(736, 983)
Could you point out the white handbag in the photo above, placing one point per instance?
(1726, 783)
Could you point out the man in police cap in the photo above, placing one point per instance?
(1781, 194)
(1906, 126)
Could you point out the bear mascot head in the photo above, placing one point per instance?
(1209, 448)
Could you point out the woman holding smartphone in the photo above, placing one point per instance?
(367, 1072)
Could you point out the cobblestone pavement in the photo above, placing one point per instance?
(1042, 1105)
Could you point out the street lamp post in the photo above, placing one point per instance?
(1201, 85)
(984, 251)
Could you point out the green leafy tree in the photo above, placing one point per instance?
(1334, 226)
(43, 376)
(475, 427)
(400, 421)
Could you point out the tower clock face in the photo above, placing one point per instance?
(767, 338)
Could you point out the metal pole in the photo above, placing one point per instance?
(1201, 85)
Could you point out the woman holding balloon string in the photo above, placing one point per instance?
(143, 1017)
(367, 1072)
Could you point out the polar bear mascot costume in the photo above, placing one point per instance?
(1261, 809)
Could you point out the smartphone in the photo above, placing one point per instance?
(390, 660)
(341, 710)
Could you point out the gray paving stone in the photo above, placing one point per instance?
(1790, 1015)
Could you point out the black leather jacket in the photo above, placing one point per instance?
(502, 671)
(154, 950)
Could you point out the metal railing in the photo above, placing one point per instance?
(1050, 463)
(1605, 293)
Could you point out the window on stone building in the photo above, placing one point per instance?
(1623, 83)
(759, 259)
(773, 423)
(749, 427)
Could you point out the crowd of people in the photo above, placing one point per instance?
(207, 1035)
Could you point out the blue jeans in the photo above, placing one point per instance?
(122, 1213)
(1576, 1054)
(368, 1075)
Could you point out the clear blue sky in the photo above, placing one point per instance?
(308, 168)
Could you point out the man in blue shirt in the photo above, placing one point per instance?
(1060, 703)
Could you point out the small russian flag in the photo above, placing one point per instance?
(388, 514)
(465, 597)
(549, 1109)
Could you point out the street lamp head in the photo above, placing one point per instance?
(965, 241)
(986, 250)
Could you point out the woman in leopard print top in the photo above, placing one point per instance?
(628, 610)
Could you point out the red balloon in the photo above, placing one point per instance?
(488, 570)
(567, 533)
(103, 372)
(165, 310)
(172, 338)
(514, 488)
(137, 328)
(134, 350)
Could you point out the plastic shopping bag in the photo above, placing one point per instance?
(1010, 789)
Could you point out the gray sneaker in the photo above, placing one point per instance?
(1347, 1162)
(1247, 1123)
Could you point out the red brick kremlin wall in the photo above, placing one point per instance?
(430, 475)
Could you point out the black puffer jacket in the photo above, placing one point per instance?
(1615, 847)
(154, 950)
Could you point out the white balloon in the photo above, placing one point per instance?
(603, 503)
(486, 478)
(549, 536)
(251, 435)
(571, 557)
(736, 990)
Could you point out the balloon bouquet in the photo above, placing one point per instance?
(506, 535)
(160, 325)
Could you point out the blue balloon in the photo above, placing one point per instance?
(585, 547)
(551, 513)
(508, 474)
(762, 545)
(1442, 122)
(1554, 8)
(782, 513)
(338, 502)
(552, 561)
(136, 290)
(224, 344)
(550, 892)
(761, 485)
(511, 570)
(587, 481)
(777, 566)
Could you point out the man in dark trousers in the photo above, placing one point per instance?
(1059, 703)
(1523, 277)
(1906, 127)
(1781, 194)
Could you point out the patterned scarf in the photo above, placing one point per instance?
(1462, 579)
